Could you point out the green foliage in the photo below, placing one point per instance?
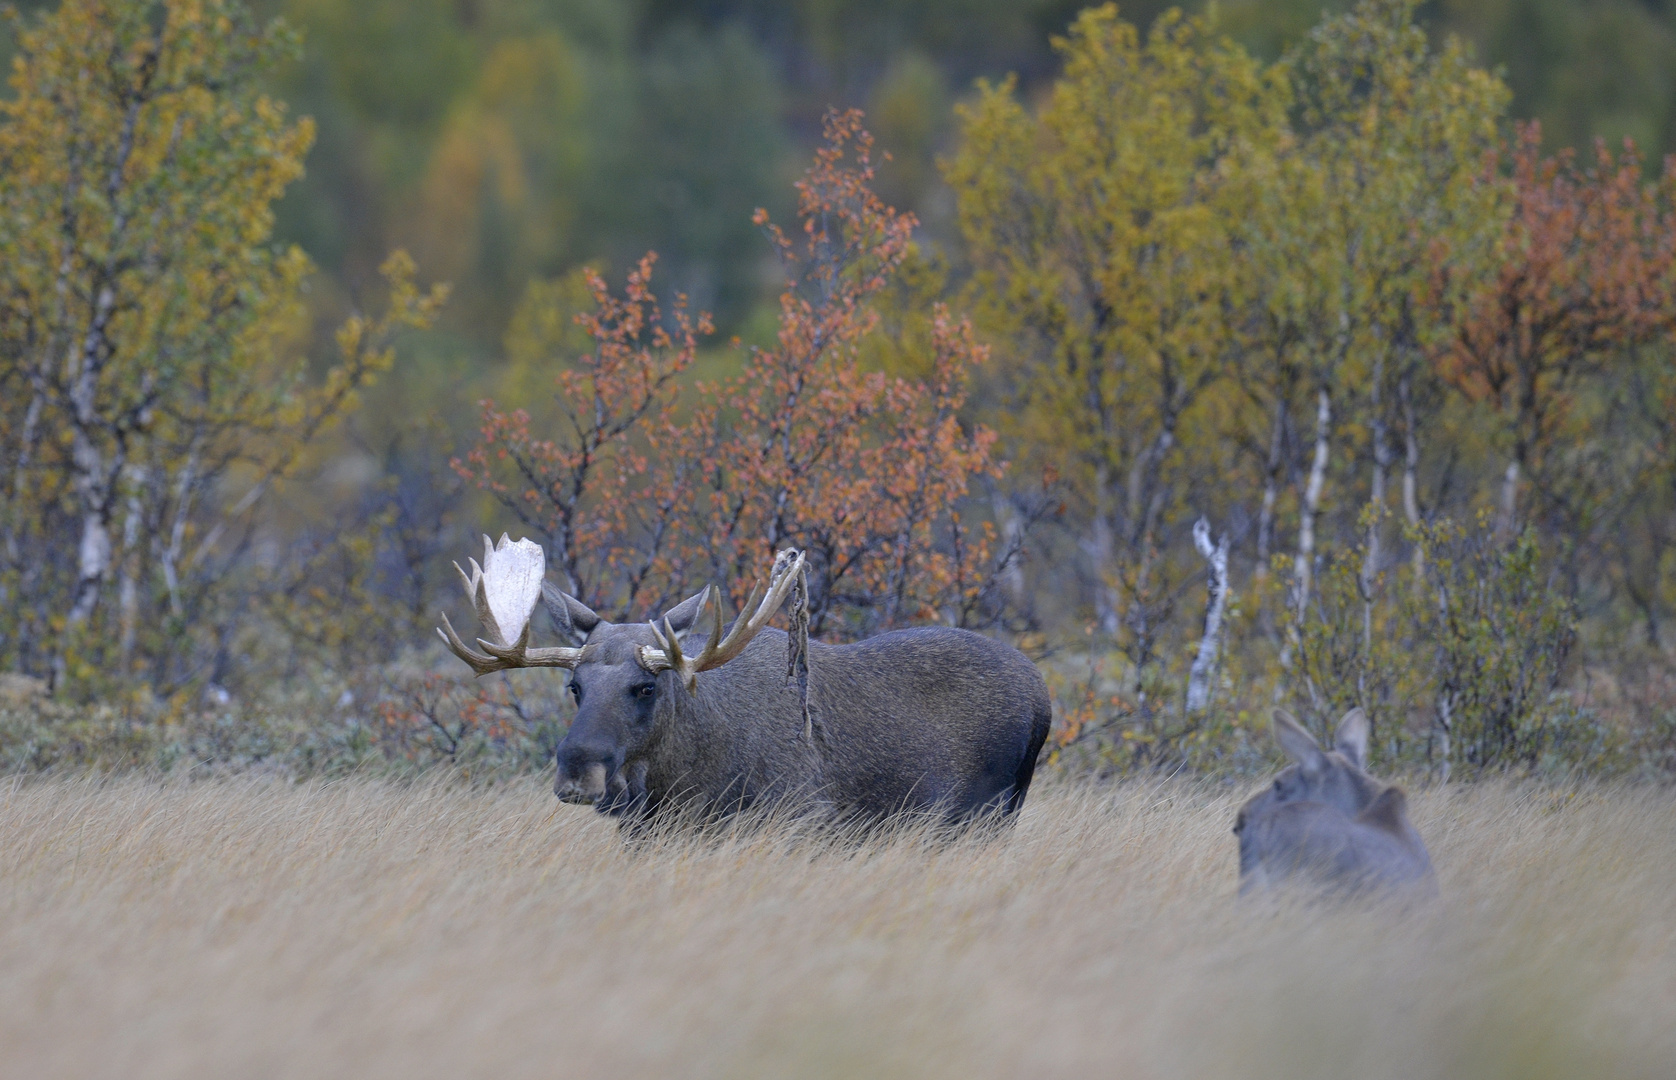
(1363, 647)
(1104, 231)
(1459, 658)
(1212, 281)
(1501, 642)
(149, 335)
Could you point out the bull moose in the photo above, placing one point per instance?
(685, 713)
(1326, 822)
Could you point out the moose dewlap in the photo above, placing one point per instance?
(686, 714)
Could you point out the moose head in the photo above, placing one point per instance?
(1325, 820)
(1335, 776)
(629, 679)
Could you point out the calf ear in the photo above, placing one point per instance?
(1388, 812)
(681, 616)
(1299, 744)
(571, 617)
(1352, 737)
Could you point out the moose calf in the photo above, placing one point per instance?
(1326, 822)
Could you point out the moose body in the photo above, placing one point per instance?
(1326, 822)
(929, 720)
(675, 716)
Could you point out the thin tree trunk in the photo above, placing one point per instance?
(1509, 500)
(1445, 727)
(128, 591)
(94, 476)
(1303, 568)
(1146, 505)
(1099, 548)
(1204, 662)
(1012, 540)
(1376, 503)
(1411, 471)
(20, 476)
(185, 489)
(1303, 571)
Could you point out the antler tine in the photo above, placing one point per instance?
(713, 597)
(780, 581)
(520, 655)
(514, 572)
(758, 609)
(479, 663)
(477, 589)
(671, 643)
(689, 667)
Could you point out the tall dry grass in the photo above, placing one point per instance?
(249, 928)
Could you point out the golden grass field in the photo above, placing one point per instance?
(238, 928)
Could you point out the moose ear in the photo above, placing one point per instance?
(1352, 737)
(681, 616)
(1388, 812)
(570, 616)
(1299, 744)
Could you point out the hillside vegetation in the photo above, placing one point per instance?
(1216, 374)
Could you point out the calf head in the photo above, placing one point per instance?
(1324, 817)
(628, 679)
(1334, 777)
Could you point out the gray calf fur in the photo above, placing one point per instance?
(1326, 822)
(929, 720)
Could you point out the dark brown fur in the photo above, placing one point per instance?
(928, 720)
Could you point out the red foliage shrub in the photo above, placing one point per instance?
(640, 504)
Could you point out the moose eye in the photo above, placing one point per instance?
(646, 691)
(576, 692)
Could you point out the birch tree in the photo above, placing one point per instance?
(150, 329)
(1103, 228)
(1385, 180)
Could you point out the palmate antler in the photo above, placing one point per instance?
(504, 590)
(718, 650)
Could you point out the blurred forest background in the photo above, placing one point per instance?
(1295, 269)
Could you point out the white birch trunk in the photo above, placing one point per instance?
(1376, 500)
(128, 589)
(1099, 547)
(1303, 566)
(1303, 571)
(1216, 603)
(1410, 474)
(93, 475)
(1509, 501)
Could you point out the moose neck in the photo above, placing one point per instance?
(737, 739)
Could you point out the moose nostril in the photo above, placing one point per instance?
(576, 761)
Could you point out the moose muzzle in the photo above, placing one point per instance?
(590, 774)
(584, 780)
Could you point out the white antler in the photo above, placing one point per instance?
(718, 650)
(504, 590)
